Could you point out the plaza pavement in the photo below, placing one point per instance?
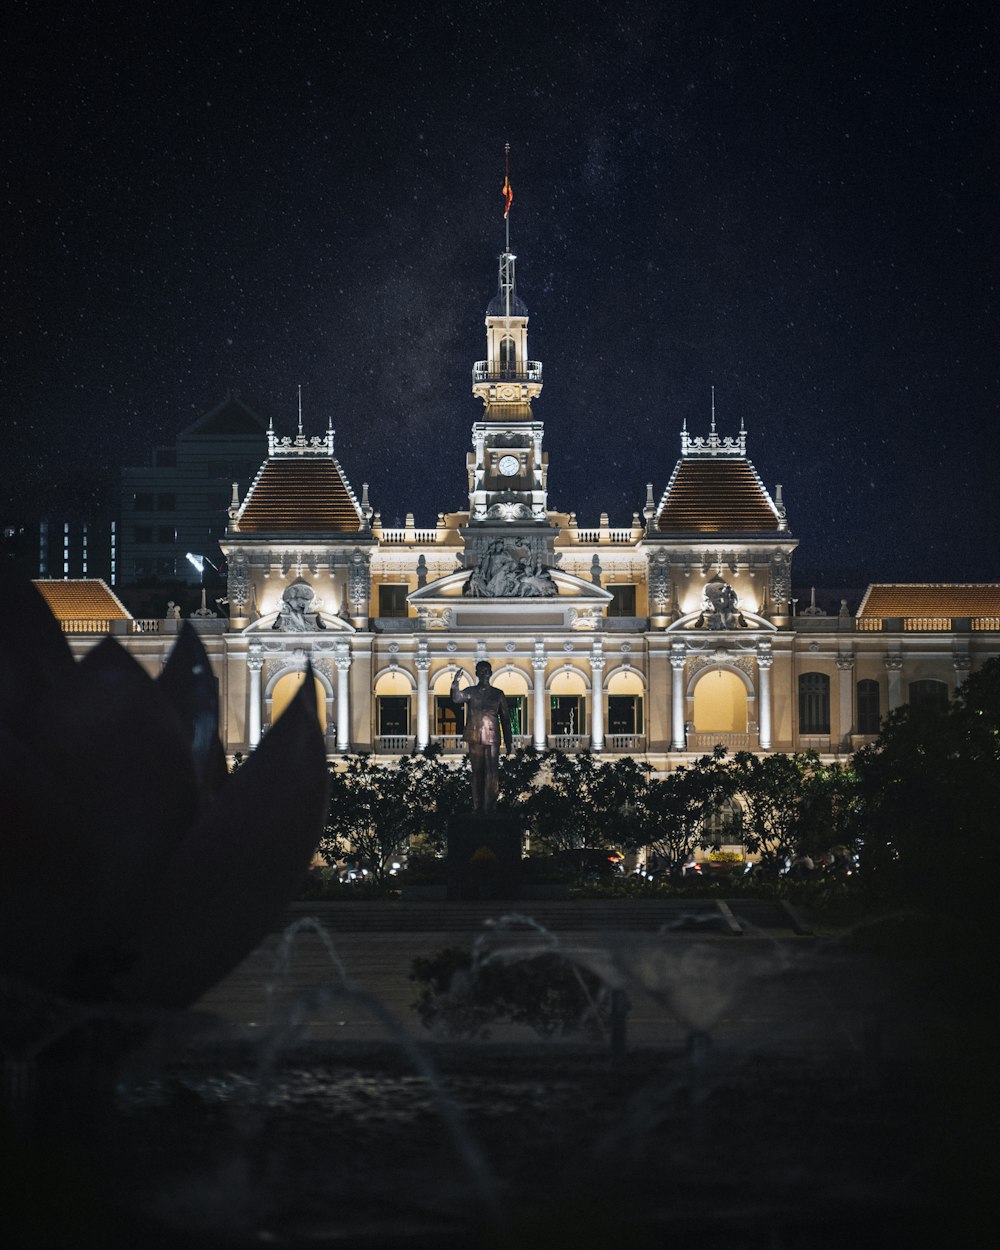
(746, 973)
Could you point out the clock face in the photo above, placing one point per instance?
(508, 465)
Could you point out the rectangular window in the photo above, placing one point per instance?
(449, 718)
(142, 502)
(393, 713)
(518, 713)
(166, 503)
(567, 714)
(165, 568)
(622, 601)
(624, 714)
(869, 718)
(166, 534)
(392, 600)
(143, 533)
(814, 703)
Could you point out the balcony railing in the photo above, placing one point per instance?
(400, 536)
(625, 742)
(705, 743)
(613, 534)
(569, 742)
(448, 742)
(394, 744)
(526, 371)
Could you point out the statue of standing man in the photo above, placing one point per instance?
(487, 717)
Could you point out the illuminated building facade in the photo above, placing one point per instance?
(659, 639)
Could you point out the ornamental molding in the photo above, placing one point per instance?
(435, 618)
(720, 658)
(713, 445)
(584, 618)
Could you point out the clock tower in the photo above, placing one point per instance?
(507, 467)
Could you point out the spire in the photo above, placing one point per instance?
(300, 410)
(713, 412)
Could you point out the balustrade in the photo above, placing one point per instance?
(394, 744)
(625, 742)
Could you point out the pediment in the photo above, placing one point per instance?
(578, 604)
(569, 586)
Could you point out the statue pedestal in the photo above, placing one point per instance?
(484, 855)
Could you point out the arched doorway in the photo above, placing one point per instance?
(392, 711)
(287, 687)
(720, 703)
(567, 708)
(625, 704)
(515, 686)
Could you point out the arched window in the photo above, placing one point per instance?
(869, 712)
(929, 693)
(508, 355)
(814, 703)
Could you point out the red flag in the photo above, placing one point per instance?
(508, 196)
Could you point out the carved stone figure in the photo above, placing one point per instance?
(659, 584)
(504, 572)
(358, 581)
(238, 588)
(298, 614)
(721, 608)
(487, 719)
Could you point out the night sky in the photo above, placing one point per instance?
(794, 202)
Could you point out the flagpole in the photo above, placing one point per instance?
(506, 222)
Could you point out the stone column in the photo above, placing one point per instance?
(597, 662)
(764, 661)
(255, 662)
(894, 667)
(845, 664)
(962, 664)
(343, 662)
(677, 661)
(538, 704)
(423, 664)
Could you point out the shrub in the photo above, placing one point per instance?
(463, 996)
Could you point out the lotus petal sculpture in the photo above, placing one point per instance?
(133, 869)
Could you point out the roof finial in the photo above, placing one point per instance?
(713, 411)
(300, 410)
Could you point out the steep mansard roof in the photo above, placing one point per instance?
(941, 599)
(716, 495)
(300, 495)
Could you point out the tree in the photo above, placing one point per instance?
(675, 809)
(375, 809)
(769, 790)
(583, 803)
(929, 797)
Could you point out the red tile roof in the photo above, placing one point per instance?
(300, 495)
(933, 599)
(82, 599)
